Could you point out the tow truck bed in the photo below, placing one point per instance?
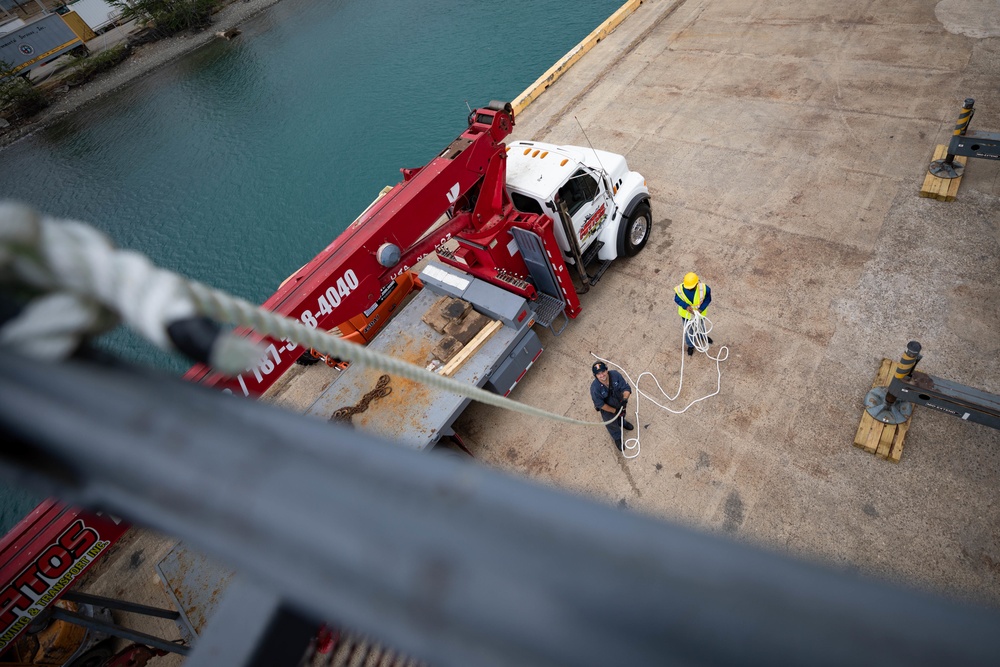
(417, 415)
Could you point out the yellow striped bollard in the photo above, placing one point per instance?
(947, 168)
(881, 403)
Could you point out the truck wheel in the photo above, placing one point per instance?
(634, 231)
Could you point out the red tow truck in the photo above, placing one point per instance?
(514, 228)
(519, 227)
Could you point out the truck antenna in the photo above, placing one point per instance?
(603, 170)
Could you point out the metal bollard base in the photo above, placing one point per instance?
(875, 405)
(946, 169)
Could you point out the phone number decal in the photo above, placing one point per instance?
(331, 299)
(325, 305)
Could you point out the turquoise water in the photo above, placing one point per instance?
(236, 164)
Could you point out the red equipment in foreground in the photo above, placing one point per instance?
(358, 270)
(43, 555)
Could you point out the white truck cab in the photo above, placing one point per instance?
(591, 192)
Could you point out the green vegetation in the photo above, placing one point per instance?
(18, 98)
(85, 69)
(169, 16)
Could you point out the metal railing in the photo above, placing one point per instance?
(450, 562)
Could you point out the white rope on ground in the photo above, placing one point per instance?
(94, 285)
(697, 328)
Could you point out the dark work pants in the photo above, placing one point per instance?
(614, 428)
(687, 337)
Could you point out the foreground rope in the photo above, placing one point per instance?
(88, 286)
(224, 308)
(93, 286)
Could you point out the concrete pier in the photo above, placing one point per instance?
(784, 145)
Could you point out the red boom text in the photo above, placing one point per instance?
(42, 581)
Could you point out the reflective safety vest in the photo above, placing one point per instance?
(699, 296)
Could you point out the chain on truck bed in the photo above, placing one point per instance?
(381, 390)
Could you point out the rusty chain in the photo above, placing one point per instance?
(381, 390)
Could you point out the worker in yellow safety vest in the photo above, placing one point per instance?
(692, 296)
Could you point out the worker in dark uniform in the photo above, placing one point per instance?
(610, 393)
(692, 296)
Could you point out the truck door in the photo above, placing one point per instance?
(587, 204)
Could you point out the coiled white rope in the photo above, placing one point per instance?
(697, 328)
(91, 285)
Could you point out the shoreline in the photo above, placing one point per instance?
(143, 60)
(149, 57)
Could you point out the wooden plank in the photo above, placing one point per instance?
(468, 327)
(445, 310)
(932, 184)
(897, 444)
(871, 444)
(885, 441)
(864, 428)
(939, 183)
(951, 191)
(927, 189)
(452, 366)
(447, 348)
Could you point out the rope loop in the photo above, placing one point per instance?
(697, 328)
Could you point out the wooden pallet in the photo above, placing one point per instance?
(942, 189)
(875, 437)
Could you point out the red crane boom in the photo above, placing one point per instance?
(466, 182)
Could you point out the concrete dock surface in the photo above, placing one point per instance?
(784, 145)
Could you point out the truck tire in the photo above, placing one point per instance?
(634, 231)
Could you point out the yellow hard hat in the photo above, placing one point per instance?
(690, 280)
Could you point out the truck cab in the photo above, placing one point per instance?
(603, 205)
